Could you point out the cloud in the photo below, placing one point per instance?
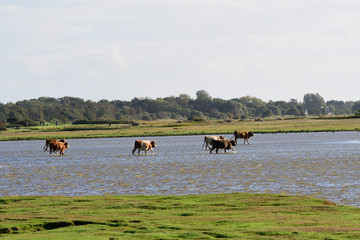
(255, 47)
(88, 58)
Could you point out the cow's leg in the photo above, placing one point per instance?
(217, 150)
(206, 146)
(212, 149)
(150, 149)
(133, 151)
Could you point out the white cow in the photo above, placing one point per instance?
(209, 139)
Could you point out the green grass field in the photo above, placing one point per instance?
(215, 216)
(172, 127)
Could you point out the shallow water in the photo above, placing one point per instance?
(324, 165)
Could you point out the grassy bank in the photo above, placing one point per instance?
(218, 216)
(173, 128)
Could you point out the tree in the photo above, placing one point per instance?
(356, 107)
(273, 108)
(293, 111)
(2, 126)
(185, 96)
(314, 104)
(202, 102)
(67, 109)
(202, 95)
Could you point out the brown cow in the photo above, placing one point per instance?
(58, 146)
(223, 144)
(244, 135)
(47, 142)
(144, 145)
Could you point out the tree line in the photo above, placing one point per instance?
(182, 107)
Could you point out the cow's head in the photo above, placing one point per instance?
(153, 144)
(221, 137)
(233, 142)
(250, 134)
(66, 144)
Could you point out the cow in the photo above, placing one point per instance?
(222, 144)
(144, 145)
(208, 139)
(47, 142)
(58, 146)
(244, 135)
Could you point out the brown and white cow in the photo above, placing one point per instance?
(244, 135)
(223, 144)
(47, 142)
(208, 139)
(58, 146)
(144, 145)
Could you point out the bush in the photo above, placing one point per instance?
(100, 122)
(27, 123)
(81, 122)
(12, 120)
(196, 119)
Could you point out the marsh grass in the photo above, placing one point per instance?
(217, 216)
(173, 128)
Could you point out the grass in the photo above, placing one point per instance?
(214, 216)
(173, 128)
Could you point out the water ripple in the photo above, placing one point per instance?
(324, 165)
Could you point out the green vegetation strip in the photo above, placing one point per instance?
(214, 216)
(175, 128)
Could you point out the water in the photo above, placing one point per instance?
(324, 165)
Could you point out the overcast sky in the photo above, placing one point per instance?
(121, 49)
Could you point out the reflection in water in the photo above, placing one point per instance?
(324, 165)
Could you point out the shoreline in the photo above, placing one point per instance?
(94, 136)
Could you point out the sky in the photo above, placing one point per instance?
(122, 49)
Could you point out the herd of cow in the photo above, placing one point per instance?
(219, 142)
(216, 142)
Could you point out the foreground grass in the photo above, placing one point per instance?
(173, 128)
(217, 216)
